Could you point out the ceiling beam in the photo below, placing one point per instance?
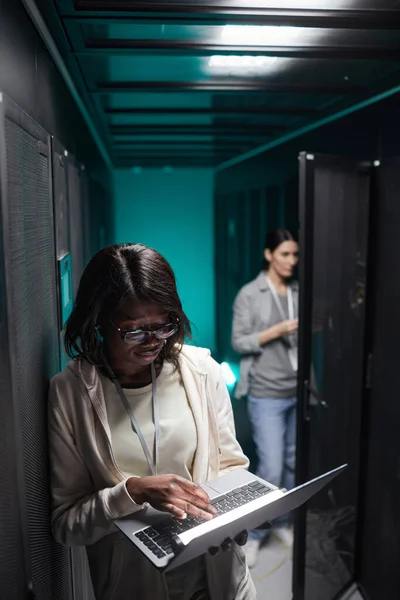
(200, 134)
(231, 138)
(173, 143)
(221, 12)
(159, 166)
(168, 160)
(96, 47)
(163, 146)
(161, 161)
(183, 149)
(228, 85)
(187, 146)
(195, 129)
(169, 156)
(325, 119)
(177, 154)
(255, 112)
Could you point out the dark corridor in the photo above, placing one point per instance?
(136, 119)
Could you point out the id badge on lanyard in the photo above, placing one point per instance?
(293, 357)
(151, 461)
(292, 350)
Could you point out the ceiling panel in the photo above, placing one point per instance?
(209, 80)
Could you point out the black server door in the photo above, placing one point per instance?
(334, 206)
(378, 571)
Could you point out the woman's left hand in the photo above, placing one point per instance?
(171, 493)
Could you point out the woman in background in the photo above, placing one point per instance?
(264, 332)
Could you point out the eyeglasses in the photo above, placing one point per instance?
(140, 336)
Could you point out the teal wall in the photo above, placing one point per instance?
(173, 213)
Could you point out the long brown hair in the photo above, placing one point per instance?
(114, 275)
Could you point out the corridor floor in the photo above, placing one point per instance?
(273, 573)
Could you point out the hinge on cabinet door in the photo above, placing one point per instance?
(368, 373)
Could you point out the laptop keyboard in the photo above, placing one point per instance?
(159, 537)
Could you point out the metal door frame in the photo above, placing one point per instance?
(306, 242)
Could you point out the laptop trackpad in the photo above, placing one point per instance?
(209, 490)
(227, 482)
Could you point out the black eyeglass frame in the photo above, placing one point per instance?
(147, 332)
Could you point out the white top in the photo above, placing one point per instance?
(178, 434)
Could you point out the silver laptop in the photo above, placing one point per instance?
(243, 502)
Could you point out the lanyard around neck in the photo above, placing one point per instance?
(278, 300)
(134, 423)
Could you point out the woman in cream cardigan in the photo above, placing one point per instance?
(126, 333)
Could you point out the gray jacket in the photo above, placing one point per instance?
(251, 314)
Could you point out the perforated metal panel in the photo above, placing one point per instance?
(11, 557)
(75, 222)
(33, 327)
(12, 576)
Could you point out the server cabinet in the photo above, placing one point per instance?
(27, 226)
(334, 219)
(379, 527)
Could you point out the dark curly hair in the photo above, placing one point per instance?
(114, 275)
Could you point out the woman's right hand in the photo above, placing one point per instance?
(288, 327)
(171, 493)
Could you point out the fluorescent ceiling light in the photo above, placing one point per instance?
(228, 63)
(252, 35)
(260, 35)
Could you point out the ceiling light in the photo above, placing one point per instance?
(232, 63)
(260, 35)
